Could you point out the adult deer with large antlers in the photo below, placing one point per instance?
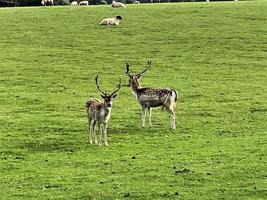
(152, 97)
(99, 113)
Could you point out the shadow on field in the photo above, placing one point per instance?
(128, 130)
(50, 142)
(50, 146)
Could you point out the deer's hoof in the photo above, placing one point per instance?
(96, 142)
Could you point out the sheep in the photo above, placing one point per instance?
(115, 4)
(84, 3)
(47, 2)
(74, 3)
(111, 21)
(136, 2)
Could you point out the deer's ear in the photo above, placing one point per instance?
(103, 96)
(114, 95)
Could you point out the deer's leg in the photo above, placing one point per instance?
(172, 113)
(143, 117)
(90, 130)
(173, 120)
(105, 139)
(173, 107)
(94, 135)
(100, 134)
(150, 116)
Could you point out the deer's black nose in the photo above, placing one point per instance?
(109, 105)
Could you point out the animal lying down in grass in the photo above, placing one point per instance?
(111, 21)
(116, 4)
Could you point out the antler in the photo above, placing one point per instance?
(149, 62)
(118, 88)
(127, 69)
(101, 91)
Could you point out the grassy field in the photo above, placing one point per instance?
(213, 54)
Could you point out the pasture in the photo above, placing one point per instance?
(213, 54)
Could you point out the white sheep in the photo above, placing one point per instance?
(84, 3)
(115, 4)
(74, 3)
(111, 21)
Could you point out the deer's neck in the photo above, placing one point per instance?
(135, 86)
(105, 113)
(106, 109)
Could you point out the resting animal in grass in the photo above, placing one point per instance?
(111, 21)
(115, 4)
(74, 3)
(47, 2)
(84, 3)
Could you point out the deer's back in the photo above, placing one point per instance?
(97, 111)
(153, 97)
(93, 104)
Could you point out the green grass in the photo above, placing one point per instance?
(213, 54)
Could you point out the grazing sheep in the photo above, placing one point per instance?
(84, 3)
(115, 4)
(74, 3)
(136, 2)
(47, 2)
(111, 21)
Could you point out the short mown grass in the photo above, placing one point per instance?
(213, 54)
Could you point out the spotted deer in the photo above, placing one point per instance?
(99, 113)
(152, 97)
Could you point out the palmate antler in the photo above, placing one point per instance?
(127, 72)
(149, 63)
(101, 91)
(104, 93)
(118, 88)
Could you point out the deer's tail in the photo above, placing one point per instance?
(174, 94)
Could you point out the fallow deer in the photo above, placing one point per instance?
(99, 113)
(152, 97)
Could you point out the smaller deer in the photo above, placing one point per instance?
(99, 113)
(152, 97)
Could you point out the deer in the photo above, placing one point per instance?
(98, 113)
(152, 97)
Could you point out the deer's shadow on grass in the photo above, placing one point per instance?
(54, 140)
(73, 140)
(50, 146)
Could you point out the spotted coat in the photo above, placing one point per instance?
(97, 111)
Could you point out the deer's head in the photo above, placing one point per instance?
(134, 78)
(105, 96)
